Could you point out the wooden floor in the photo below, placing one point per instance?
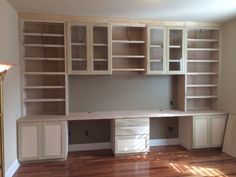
(167, 161)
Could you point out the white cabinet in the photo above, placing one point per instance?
(42, 140)
(203, 131)
(29, 141)
(130, 135)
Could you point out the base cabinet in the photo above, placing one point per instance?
(42, 140)
(205, 131)
(130, 135)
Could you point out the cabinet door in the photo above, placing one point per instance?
(29, 141)
(79, 62)
(156, 50)
(100, 43)
(54, 140)
(201, 131)
(175, 50)
(218, 124)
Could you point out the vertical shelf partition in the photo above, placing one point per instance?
(203, 46)
(43, 68)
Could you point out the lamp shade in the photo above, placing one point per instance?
(4, 67)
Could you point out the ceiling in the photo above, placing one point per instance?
(177, 10)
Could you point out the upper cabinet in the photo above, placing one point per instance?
(175, 50)
(128, 48)
(89, 48)
(156, 50)
(165, 50)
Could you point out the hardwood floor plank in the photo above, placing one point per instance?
(165, 161)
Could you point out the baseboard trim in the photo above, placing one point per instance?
(164, 142)
(10, 172)
(89, 146)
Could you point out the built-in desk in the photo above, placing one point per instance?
(46, 137)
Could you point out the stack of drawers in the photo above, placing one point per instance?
(130, 135)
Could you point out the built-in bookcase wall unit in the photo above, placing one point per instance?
(128, 49)
(156, 50)
(175, 50)
(43, 68)
(203, 46)
(89, 48)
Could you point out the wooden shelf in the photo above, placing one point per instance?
(202, 73)
(203, 40)
(44, 100)
(100, 59)
(202, 85)
(200, 97)
(202, 49)
(100, 45)
(202, 61)
(78, 44)
(43, 45)
(128, 56)
(44, 73)
(78, 59)
(175, 46)
(43, 34)
(44, 87)
(128, 69)
(43, 59)
(127, 42)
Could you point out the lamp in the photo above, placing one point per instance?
(3, 69)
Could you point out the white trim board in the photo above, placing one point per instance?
(89, 146)
(107, 145)
(164, 142)
(10, 172)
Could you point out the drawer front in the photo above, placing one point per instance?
(132, 144)
(132, 130)
(132, 122)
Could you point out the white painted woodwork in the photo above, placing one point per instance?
(201, 131)
(218, 125)
(229, 146)
(205, 131)
(52, 139)
(29, 141)
(42, 140)
(130, 135)
(131, 144)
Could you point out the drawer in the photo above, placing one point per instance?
(132, 130)
(132, 144)
(132, 122)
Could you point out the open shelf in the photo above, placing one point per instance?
(128, 48)
(43, 55)
(202, 68)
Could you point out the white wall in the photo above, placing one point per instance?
(228, 79)
(9, 53)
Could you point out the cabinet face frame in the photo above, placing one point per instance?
(164, 59)
(91, 42)
(88, 57)
(39, 128)
(183, 60)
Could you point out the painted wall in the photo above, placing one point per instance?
(228, 79)
(104, 93)
(9, 53)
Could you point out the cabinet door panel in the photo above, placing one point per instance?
(54, 139)
(201, 132)
(218, 124)
(29, 141)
